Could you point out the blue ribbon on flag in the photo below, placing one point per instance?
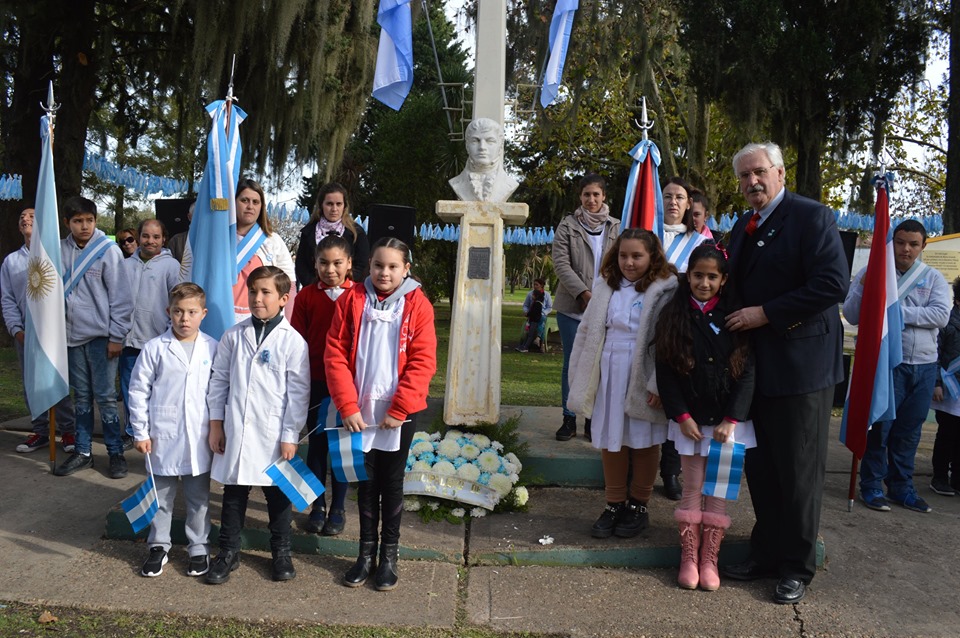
(948, 376)
(296, 481)
(724, 469)
(141, 506)
(346, 455)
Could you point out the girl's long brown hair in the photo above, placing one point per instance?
(659, 268)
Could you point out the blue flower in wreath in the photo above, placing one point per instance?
(459, 462)
(461, 441)
(429, 457)
(484, 478)
(265, 356)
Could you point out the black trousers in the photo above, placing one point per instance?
(785, 473)
(946, 448)
(380, 498)
(669, 459)
(234, 514)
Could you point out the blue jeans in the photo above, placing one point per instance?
(892, 445)
(568, 332)
(128, 358)
(94, 376)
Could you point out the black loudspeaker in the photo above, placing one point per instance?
(849, 240)
(173, 214)
(388, 220)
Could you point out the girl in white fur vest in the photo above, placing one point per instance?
(612, 376)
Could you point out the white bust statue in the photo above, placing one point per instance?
(484, 179)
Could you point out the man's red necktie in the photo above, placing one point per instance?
(752, 224)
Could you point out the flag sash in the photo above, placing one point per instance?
(346, 455)
(296, 481)
(683, 244)
(249, 246)
(724, 469)
(93, 251)
(910, 279)
(141, 506)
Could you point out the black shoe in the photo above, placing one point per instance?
(222, 565)
(153, 566)
(335, 523)
(942, 487)
(127, 442)
(318, 518)
(198, 565)
(118, 466)
(74, 463)
(587, 434)
(360, 572)
(282, 566)
(789, 591)
(672, 488)
(386, 577)
(748, 570)
(569, 428)
(632, 519)
(605, 525)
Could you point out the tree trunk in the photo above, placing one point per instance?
(951, 213)
(810, 136)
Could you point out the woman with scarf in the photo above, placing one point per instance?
(579, 243)
(331, 216)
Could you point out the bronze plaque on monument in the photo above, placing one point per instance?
(478, 263)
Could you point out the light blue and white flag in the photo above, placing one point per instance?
(295, 479)
(394, 74)
(346, 455)
(142, 505)
(560, 27)
(724, 469)
(948, 375)
(45, 369)
(210, 255)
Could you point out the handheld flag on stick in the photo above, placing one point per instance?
(296, 481)
(724, 469)
(143, 504)
(643, 203)
(346, 455)
(394, 73)
(560, 27)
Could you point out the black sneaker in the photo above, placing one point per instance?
(118, 466)
(127, 442)
(34, 443)
(631, 520)
(942, 487)
(198, 565)
(74, 463)
(222, 565)
(604, 526)
(153, 566)
(569, 428)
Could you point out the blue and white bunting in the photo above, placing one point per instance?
(724, 469)
(346, 455)
(560, 27)
(296, 481)
(394, 73)
(142, 505)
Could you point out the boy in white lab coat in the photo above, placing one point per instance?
(168, 413)
(258, 399)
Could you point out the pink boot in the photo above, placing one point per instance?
(714, 526)
(689, 521)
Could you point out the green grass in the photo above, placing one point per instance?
(11, 386)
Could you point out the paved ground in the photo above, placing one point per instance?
(885, 574)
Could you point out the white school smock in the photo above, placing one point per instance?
(168, 403)
(378, 359)
(261, 398)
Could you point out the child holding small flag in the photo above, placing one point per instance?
(381, 355)
(168, 413)
(258, 404)
(946, 405)
(706, 376)
(612, 377)
(312, 315)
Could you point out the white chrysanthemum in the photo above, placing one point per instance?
(501, 483)
(509, 468)
(411, 504)
(469, 472)
(420, 447)
(453, 434)
(459, 512)
(469, 451)
(514, 478)
(444, 468)
(433, 505)
(478, 512)
(521, 496)
(449, 448)
(420, 466)
(420, 436)
(435, 436)
(489, 461)
(497, 445)
(482, 441)
(512, 458)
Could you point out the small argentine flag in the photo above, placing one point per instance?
(724, 469)
(295, 479)
(142, 505)
(346, 455)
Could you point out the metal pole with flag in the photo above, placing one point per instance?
(870, 395)
(643, 202)
(560, 27)
(210, 254)
(394, 73)
(45, 369)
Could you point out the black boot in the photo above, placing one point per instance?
(586, 430)
(360, 572)
(569, 428)
(386, 577)
(282, 566)
(225, 562)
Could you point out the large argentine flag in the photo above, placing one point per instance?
(394, 73)
(643, 204)
(870, 396)
(45, 367)
(210, 256)
(560, 27)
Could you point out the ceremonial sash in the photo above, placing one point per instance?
(948, 376)
(248, 246)
(679, 252)
(93, 251)
(910, 279)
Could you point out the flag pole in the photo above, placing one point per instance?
(51, 109)
(230, 98)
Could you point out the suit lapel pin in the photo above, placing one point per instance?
(760, 244)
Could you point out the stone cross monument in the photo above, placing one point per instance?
(473, 366)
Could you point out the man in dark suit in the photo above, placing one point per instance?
(790, 274)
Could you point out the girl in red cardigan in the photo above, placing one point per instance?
(381, 355)
(312, 315)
